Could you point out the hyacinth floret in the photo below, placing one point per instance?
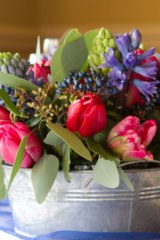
(146, 88)
(111, 61)
(117, 79)
(39, 82)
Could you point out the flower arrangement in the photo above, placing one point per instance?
(95, 103)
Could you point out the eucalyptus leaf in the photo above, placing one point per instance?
(10, 104)
(97, 148)
(2, 191)
(117, 162)
(1, 175)
(105, 173)
(125, 179)
(72, 35)
(85, 65)
(71, 139)
(49, 77)
(38, 51)
(33, 121)
(114, 114)
(64, 36)
(71, 56)
(102, 136)
(66, 164)
(53, 139)
(18, 160)
(43, 175)
(14, 82)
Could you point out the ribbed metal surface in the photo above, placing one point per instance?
(82, 207)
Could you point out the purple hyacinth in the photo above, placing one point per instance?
(117, 79)
(135, 37)
(146, 88)
(39, 82)
(148, 69)
(124, 45)
(145, 55)
(111, 61)
(130, 60)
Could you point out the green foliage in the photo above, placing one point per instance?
(114, 114)
(63, 37)
(66, 164)
(1, 175)
(43, 175)
(10, 104)
(2, 192)
(18, 161)
(71, 139)
(33, 121)
(105, 173)
(2, 187)
(71, 36)
(125, 179)
(14, 82)
(53, 139)
(97, 148)
(71, 56)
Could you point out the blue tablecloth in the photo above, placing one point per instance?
(7, 225)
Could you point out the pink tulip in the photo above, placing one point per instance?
(11, 136)
(40, 71)
(4, 115)
(128, 140)
(87, 115)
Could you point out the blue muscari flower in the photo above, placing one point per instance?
(111, 61)
(148, 69)
(146, 88)
(117, 79)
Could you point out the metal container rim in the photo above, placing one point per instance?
(90, 170)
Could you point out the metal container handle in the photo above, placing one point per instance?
(139, 161)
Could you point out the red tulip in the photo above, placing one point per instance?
(133, 96)
(128, 140)
(11, 136)
(4, 115)
(40, 71)
(87, 115)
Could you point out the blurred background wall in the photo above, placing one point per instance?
(22, 20)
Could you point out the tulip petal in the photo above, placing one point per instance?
(123, 126)
(74, 112)
(27, 161)
(148, 131)
(33, 146)
(9, 150)
(4, 115)
(133, 155)
(94, 120)
(148, 156)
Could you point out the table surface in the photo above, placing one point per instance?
(7, 231)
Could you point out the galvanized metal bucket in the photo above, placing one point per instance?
(85, 206)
